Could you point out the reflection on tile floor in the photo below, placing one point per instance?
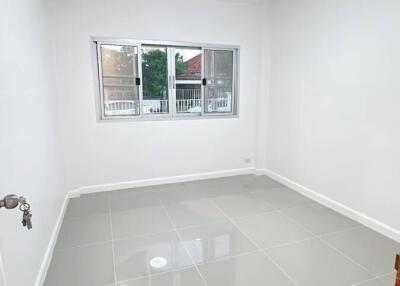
(234, 231)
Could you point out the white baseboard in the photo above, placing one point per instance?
(159, 181)
(52, 243)
(335, 205)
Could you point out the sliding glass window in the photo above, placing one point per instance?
(119, 80)
(142, 79)
(155, 80)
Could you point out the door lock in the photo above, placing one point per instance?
(12, 201)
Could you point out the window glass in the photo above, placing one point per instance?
(155, 80)
(218, 72)
(119, 72)
(188, 69)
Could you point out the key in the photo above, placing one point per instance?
(26, 219)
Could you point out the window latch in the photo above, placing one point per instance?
(204, 81)
(137, 81)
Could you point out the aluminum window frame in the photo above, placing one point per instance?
(96, 42)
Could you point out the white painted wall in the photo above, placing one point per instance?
(28, 164)
(333, 116)
(98, 153)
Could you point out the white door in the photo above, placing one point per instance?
(2, 276)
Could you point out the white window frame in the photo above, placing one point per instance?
(96, 42)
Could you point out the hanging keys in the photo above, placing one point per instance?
(27, 215)
(12, 201)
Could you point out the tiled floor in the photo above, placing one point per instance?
(237, 231)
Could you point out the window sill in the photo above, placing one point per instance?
(167, 118)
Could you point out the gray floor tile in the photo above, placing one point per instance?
(261, 183)
(140, 221)
(373, 282)
(82, 266)
(313, 263)
(370, 249)
(247, 270)
(215, 241)
(148, 251)
(149, 255)
(76, 232)
(272, 229)
(242, 204)
(186, 192)
(389, 279)
(320, 220)
(282, 198)
(185, 277)
(194, 213)
(87, 205)
(128, 200)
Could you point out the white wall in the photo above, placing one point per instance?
(28, 164)
(333, 116)
(97, 153)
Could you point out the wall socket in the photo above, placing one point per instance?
(247, 160)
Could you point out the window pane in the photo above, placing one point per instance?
(155, 75)
(188, 98)
(218, 71)
(119, 70)
(188, 80)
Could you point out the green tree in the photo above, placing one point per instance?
(180, 67)
(154, 70)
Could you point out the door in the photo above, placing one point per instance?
(2, 274)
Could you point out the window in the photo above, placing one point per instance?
(158, 79)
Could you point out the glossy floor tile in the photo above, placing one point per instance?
(148, 255)
(320, 220)
(373, 251)
(182, 277)
(234, 231)
(215, 241)
(313, 263)
(196, 212)
(242, 204)
(77, 232)
(272, 229)
(388, 279)
(87, 205)
(82, 266)
(282, 197)
(247, 270)
(373, 282)
(139, 221)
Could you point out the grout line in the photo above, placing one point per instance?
(364, 281)
(112, 238)
(83, 245)
(378, 277)
(183, 244)
(347, 257)
(319, 237)
(289, 243)
(339, 231)
(186, 267)
(256, 244)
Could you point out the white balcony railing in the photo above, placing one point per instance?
(187, 101)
